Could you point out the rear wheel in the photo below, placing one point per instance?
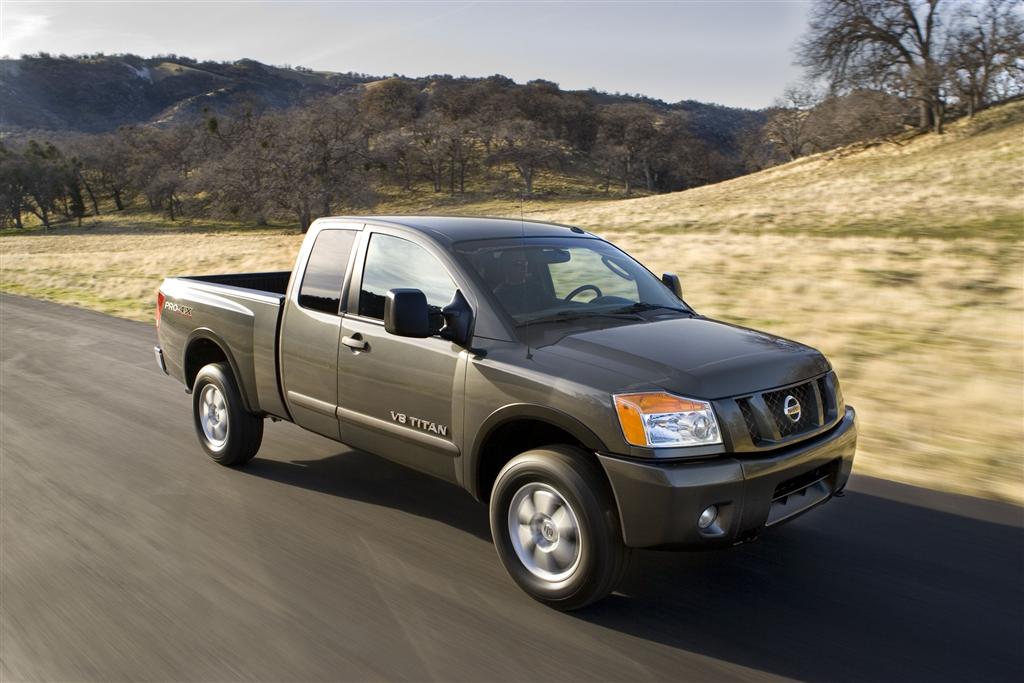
(228, 434)
(556, 528)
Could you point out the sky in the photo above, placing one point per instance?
(733, 52)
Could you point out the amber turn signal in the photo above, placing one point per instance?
(654, 419)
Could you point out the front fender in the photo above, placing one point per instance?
(522, 411)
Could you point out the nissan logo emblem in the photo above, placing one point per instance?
(791, 407)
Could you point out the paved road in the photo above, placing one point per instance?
(126, 555)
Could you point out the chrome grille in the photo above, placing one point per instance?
(807, 401)
(765, 418)
(748, 415)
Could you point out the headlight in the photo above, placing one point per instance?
(660, 420)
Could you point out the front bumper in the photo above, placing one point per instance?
(659, 503)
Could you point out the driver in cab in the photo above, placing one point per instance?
(518, 291)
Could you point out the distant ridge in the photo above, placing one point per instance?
(99, 93)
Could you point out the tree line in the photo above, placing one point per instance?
(340, 152)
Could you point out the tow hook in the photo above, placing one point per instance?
(749, 538)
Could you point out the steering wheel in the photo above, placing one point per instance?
(579, 290)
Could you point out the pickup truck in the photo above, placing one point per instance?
(535, 365)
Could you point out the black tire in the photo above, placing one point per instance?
(243, 431)
(602, 557)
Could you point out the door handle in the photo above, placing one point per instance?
(355, 342)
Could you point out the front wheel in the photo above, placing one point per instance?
(228, 434)
(556, 528)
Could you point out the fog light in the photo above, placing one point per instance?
(708, 517)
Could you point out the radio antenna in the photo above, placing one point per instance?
(526, 271)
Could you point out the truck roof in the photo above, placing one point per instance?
(463, 228)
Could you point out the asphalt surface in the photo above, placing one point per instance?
(126, 555)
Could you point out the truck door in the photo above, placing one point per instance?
(400, 397)
(310, 329)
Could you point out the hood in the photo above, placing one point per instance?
(696, 357)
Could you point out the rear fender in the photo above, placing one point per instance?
(204, 333)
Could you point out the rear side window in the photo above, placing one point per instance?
(325, 271)
(393, 263)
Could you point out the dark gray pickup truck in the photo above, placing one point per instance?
(535, 365)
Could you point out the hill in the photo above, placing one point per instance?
(99, 93)
(968, 182)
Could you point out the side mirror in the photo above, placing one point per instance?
(671, 280)
(406, 313)
(458, 320)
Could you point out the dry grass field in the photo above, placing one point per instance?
(904, 264)
(927, 335)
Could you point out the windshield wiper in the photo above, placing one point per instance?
(642, 306)
(563, 316)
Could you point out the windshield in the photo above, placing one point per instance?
(539, 279)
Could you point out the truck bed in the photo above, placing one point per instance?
(271, 283)
(241, 312)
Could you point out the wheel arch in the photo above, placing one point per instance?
(204, 346)
(516, 428)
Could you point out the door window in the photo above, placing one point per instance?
(393, 263)
(325, 271)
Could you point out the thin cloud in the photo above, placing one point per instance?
(17, 32)
(395, 32)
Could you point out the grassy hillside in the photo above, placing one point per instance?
(903, 263)
(966, 183)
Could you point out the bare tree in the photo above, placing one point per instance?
(529, 148)
(462, 143)
(107, 167)
(235, 172)
(394, 151)
(13, 187)
(628, 134)
(316, 158)
(71, 176)
(985, 52)
(667, 160)
(339, 145)
(42, 178)
(160, 162)
(891, 44)
(291, 168)
(82, 153)
(429, 136)
(756, 151)
(860, 115)
(790, 125)
(389, 104)
(805, 122)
